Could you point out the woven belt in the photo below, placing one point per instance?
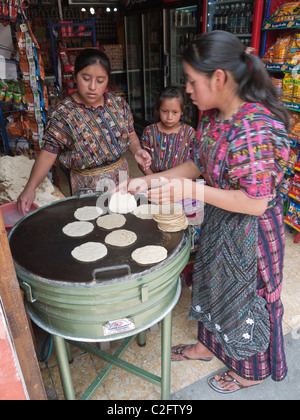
(100, 170)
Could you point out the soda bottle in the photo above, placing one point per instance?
(222, 18)
(249, 17)
(216, 20)
(234, 22)
(243, 20)
(226, 18)
(230, 17)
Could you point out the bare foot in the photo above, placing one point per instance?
(232, 382)
(191, 352)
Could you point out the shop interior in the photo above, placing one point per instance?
(39, 42)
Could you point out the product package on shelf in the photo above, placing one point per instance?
(12, 91)
(294, 213)
(32, 70)
(294, 137)
(284, 53)
(286, 16)
(284, 56)
(9, 9)
(115, 55)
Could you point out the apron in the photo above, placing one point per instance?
(224, 296)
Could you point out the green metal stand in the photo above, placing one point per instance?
(164, 382)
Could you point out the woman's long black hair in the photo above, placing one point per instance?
(223, 50)
(91, 56)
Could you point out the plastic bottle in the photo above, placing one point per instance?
(226, 18)
(216, 19)
(243, 20)
(234, 22)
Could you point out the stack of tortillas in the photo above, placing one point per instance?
(171, 218)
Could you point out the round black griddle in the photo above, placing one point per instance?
(39, 246)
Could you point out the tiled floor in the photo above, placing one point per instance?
(122, 385)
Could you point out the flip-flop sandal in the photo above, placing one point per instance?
(213, 383)
(180, 349)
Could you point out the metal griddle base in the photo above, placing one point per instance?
(63, 353)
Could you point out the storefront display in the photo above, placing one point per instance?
(281, 55)
(24, 102)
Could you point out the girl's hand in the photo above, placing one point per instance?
(143, 158)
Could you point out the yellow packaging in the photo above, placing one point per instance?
(280, 49)
(293, 53)
(288, 86)
(296, 91)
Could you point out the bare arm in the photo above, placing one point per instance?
(39, 172)
(231, 200)
(235, 201)
(186, 170)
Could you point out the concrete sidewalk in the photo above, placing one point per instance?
(289, 389)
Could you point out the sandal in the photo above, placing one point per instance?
(213, 383)
(180, 349)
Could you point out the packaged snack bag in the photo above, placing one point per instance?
(296, 91)
(286, 186)
(294, 118)
(295, 188)
(296, 129)
(3, 89)
(288, 86)
(298, 214)
(280, 49)
(288, 11)
(293, 158)
(63, 53)
(278, 84)
(293, 53)
(269, 55)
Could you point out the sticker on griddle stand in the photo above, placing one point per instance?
(118, 326)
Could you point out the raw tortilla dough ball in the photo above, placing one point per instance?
(89, 252)
(122, 203)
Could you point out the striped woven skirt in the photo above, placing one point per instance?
(267, 284)
(104, 178)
